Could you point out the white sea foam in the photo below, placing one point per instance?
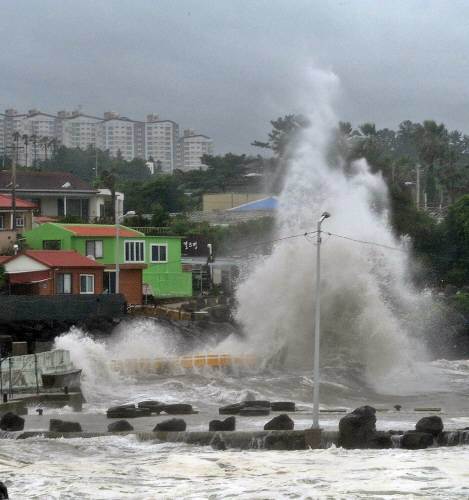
(118, 467)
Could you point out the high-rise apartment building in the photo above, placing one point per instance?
(191, 148)
(77, 130)
(155, 139)
(121, 136)
(161, 142)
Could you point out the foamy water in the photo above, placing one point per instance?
(115, 468)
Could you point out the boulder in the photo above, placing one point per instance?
(119, 426)
(219, 312)
(413, 440)
(3, 491)
(280, 423)
(172, 425)
(127, 411)
(217, 443)
(357, 428)
(285, 441)
(178, 409)
(152, 405)
(11, 422)
(283, 406)
(56, 425)
(263, 404)
(380, 440)
(254, 411)
(233, 409)
(432, 425)
(229, 424)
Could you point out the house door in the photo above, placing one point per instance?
(109, 282)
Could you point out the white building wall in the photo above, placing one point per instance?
(79, 131)
(161, 142)
(191, 150)
(117, 135)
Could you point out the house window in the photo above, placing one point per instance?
(63, 283)
(51, 244)
(1, 222)
(134, 251)
(20, 221)
(109, 282)
(94, 248)
(86, 283)
(159, 253)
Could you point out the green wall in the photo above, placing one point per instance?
(165, 279)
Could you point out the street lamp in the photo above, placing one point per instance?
(317, 332)
(117, 255)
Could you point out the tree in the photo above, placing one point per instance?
(108, 180)
(285, 131)
(34, 140)
(25, 142)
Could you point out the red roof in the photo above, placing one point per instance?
(42, 219)
(6, 202)
(4, 258)
(100, 231)
(61, 258)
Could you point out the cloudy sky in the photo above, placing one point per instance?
(226, 67)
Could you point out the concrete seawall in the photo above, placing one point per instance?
(269, 440)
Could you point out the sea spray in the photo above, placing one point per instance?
(137, 339)
(371, 314)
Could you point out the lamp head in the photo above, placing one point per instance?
(325, 215)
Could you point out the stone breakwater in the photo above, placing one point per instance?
(357, 430)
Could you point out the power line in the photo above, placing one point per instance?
(372, 243)
(307, 233)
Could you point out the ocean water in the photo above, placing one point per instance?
(124, 467)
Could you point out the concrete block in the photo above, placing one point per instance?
(313, 438)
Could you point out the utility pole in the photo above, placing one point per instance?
(96, 162)
(417, 188)
(317, 326)
(13, 186)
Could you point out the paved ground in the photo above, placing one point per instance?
(93, 422)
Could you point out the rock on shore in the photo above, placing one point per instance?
(11, 422)
(357, 430)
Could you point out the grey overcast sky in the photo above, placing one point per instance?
(226, 67)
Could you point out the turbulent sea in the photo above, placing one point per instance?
(124, 467)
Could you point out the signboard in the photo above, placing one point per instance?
(194, 246)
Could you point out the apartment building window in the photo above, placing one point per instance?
(86, 283)
(94, 248)
(159, 253)
(134, 251)
(51, 244)
(63, 283)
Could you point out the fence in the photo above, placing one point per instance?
(164, 365)
(23, 373)
(60, 307)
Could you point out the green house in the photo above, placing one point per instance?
(159, 256)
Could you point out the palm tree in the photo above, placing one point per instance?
(34, 141)
(25, 142)
(45, 144)
(16, 138)
(53, 144)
